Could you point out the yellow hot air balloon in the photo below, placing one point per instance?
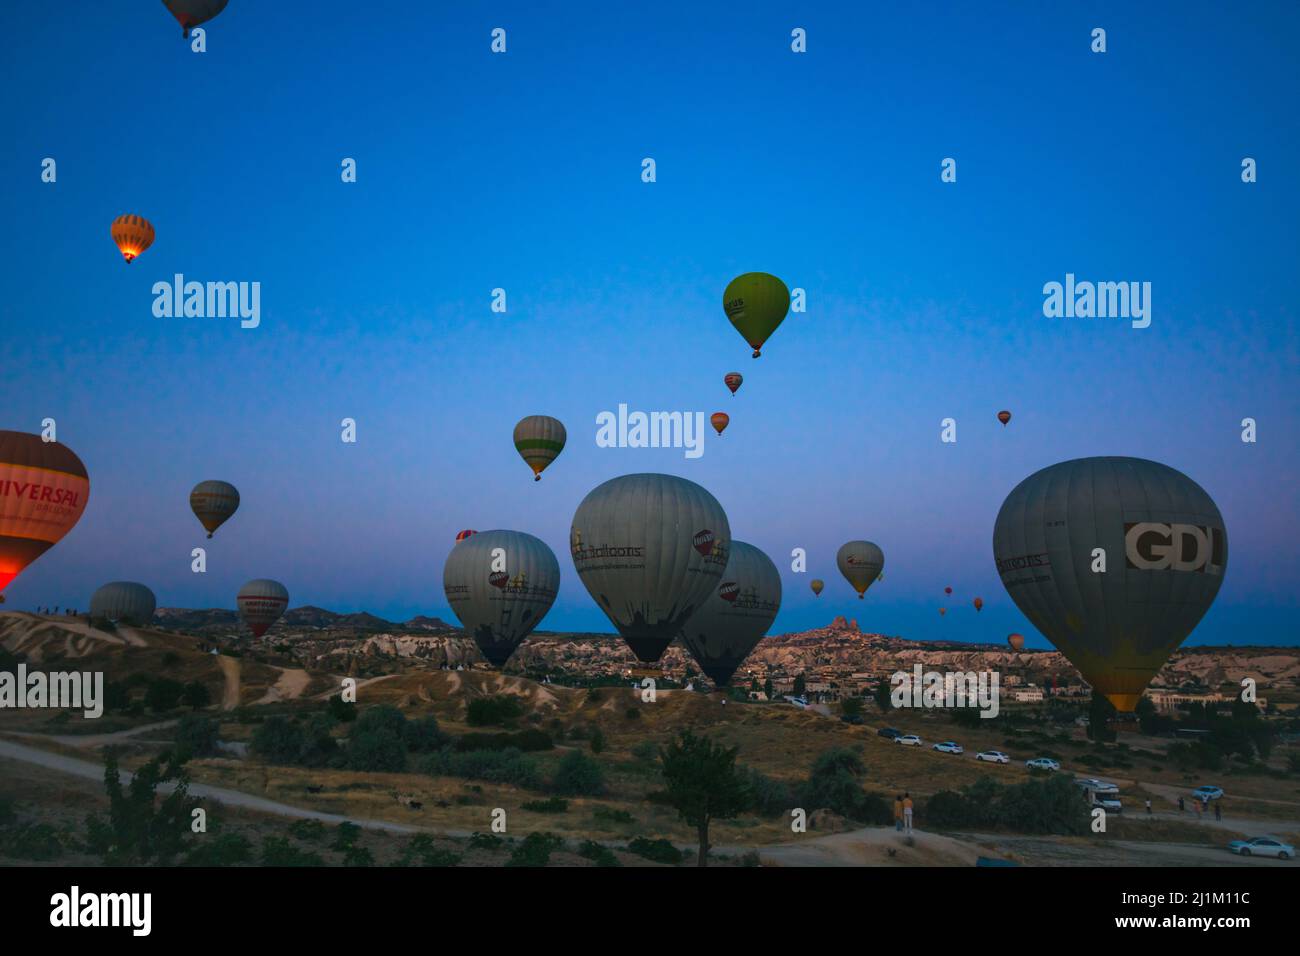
(817, 585)
(43, 492)
(133, 235)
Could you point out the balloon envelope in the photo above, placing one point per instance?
(732, 380)
(261, 602)
(734, 618)
(213, 502)
(861, 563)
(817, 585)
(462, 535)
(539, 439)
(133, 235)
(1004, 417)
(1017, 641)
(650, 549)
(500, 612)
(756, 303)
(190, 13)
(979, 603)
(123, 601)
(719, 420)
(1166, 552)
(43, 492)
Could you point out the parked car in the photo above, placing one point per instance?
(1098, 786)
(1043, 763)
(1108, 802)
(800, 702)
(993, 756)
(910, 740)
(1262, 846)
(948, 747)
(1207, 793)
(890, 732)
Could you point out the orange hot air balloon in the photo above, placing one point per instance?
(979, 603)
(43, 491)
(947, 590)
(465, 534)
(1004, 417)
(817, 584)
(733, 380)
(133, 235)
(719, 420)
(1017, 641)
(943, 611)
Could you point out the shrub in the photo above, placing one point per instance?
(424, 735)
(344, 711)
(346, 835)
(32, 841)
(500, 709)
(646, 750)
(597, 740)
(278, 851)
(421, 851)
(196, 736)
(375, 751)
(535, 850)
(163, 695)
(526, 740)
(598, 853)
(383, 718)
(358, 856)
(495, 766)
(578, 775)
(485, 841)
(659, 851)
(278, 740)
(195, 695)
(767, 797)
(612, 815)
(632, 713)
(227, 849)
(550, 805)
(311, 831)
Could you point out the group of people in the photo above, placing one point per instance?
(67, 611)
(903, 812)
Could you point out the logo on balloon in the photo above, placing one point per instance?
(1154, 546)
(703, 542)
(729, 591)
(498, 579)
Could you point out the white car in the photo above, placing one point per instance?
(1043, 763)
(1262, 846)
(993, 756)
(948, 747)
(1108, 802)
(910, 740)
(1098, 786)
(1207, 793)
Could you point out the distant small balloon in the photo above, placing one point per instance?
(464, 534)
(817, 584)
(733, 380)
(1004, 417)
(943, 611)
(947, 590)
(979, 603)
(213, 502)
(539, 439)
(1017, 641)
(261, 602)
(719, 421)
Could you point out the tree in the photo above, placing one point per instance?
(800, 685)
(139, 830)
(884, 700)
(578, 776)
(702, 784)
(164, 694)
(1100, 713)
(851, 707)
(597, 740)
(195, 695)
(768, 691)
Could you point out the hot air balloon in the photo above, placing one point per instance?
(1004, 417)
(650, 549)
(462, 535)
(190, 13)
(861, 563)
(123, 602)
(213, 502)
(947, 590)
(719, 420)
(133, 235)
(734, 618)
(500, 606)
(943, 611)
(1166, 550)
(732, 380)
(1017, 641)
(539, 439)
(817, 585)
(260, 603)
(756, 303)
(43, 491)
(979, 603)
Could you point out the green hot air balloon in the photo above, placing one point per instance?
(500, 602)
(756, 303)
(734, 618)
(539, 439)
(1165, 550)
(650, 549)
(861, 563)
(123, 602)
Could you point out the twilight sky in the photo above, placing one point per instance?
(522, 171)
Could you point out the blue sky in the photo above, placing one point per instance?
(522, 171)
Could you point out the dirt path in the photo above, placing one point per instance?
(230, 668)
(289, 686)
(90, 741)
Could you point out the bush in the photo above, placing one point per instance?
(767, 797)
(278, 851)
(358, 856)
(500, 709)
(163, 695)
(375, 751)
(228, 849)
(612, 815)
(835, 782)
(535, 850)
(346, 835)
(310, 831)
(7, 813)
(495, 766)
(646, 750)
(659, 851)
(526, 740)
(550, 805)
(383, 718)
(421, 851)
(598, 853)
(485, 841)
(632, 713)
(278, 740)
(424, 736)
(1050, 806)
(344, 711)
(195, 695)
(597, 740)
(32, 841)
(196, 736)
(579, 775)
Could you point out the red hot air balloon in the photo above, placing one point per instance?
(733, 380)
(260, 603)
(1004, 417)
(1017, 641)
(43, 491)
(943, 611)
(947, 590)
(190, 13)
(465, 534)
(979, 603)
(719, 420)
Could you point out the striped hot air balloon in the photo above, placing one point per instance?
(539, 439)
(213, 502)
(43, 492)
(461, 536)
(261, 602)
(133, 235)
(732, 380)
(720, 421)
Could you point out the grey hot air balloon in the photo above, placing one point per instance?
(734, 618)
(861, 563)
(1165, 550)
(261, 602)
(500, 607)
(213, 502)
(650, 549)
(123, 602)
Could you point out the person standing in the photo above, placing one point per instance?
(1218, 811)
(1148, 806)
(898, 813)
(907, 812)
(1181, 806)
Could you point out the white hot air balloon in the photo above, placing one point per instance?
(500, 584)
(123, 601)
(861, 563)
(261, 602)
(734, 618)
(650, 549)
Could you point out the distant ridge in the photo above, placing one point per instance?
(197, 619)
